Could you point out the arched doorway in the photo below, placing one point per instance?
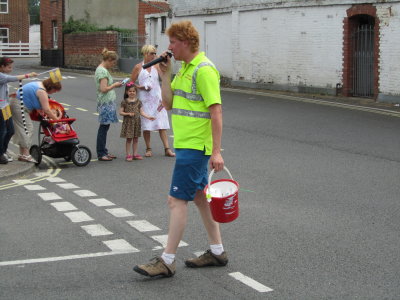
(360, 51)
(362, 44)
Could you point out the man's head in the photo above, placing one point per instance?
(184, 34)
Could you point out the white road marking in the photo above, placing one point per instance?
(68, 186)
(55, 179)
(96, 230)
(22, 181)
(65, 104)
(85, 193)
(34, 187)
(101, 202)
(63, 206)
(162, 239)
(251, 282)
(198, 253)
(143, 225)
(49, 196)
(157, 248)
(40, 174)
(81, 109)
(120, 245)
(120, 212)
(78, 216)
(96, 114)
(61, 258)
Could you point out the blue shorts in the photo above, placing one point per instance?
(190, 173)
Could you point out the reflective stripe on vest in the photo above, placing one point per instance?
(193, 95)
(191, 113)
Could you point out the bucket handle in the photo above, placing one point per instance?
(209, 182)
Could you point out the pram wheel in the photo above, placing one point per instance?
(81, 155)
(36, 153)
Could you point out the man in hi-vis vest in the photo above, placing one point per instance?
(195, 102)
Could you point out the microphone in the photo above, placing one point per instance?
(157, 60)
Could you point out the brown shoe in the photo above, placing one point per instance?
(207, 259)
(156, 267)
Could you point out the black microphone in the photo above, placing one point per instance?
(157, 60)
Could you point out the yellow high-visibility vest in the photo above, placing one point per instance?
(195, 88)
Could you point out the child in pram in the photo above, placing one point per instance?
(60, 139)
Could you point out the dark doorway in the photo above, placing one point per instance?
(362, 44)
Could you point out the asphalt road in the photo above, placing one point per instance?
(319, 210)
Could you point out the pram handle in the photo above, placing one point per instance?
(69, 120)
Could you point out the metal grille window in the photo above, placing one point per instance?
(4, 35)
(363, 60)
(4, 6)
(130, 44)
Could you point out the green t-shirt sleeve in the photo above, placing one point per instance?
(101, 73)
(208, 85)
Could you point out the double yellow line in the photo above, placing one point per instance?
(52, 171)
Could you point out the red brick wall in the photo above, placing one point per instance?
(51, 10)
(145, 9)
(348, 26)
(84, 49)
(17, 21)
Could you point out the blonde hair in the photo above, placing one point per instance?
(109, 55)
(148, 48)
(185, 31)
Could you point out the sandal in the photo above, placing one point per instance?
(137, 157)
(26, 158)
(129, 158)
(148, 152)
(169, 153)
(111, 156)
(105, 158)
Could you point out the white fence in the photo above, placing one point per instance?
(20, 49)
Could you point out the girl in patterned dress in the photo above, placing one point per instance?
(131, 109)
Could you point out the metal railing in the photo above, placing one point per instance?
(130, 44)
(20, 49)
(363, 61)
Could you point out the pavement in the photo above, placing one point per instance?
(17, 168)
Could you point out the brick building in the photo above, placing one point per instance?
(83, 49)
(318, 46)
(51, 20)
(14, 21)
(150, 7)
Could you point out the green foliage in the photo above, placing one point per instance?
(34, 11)
(84, 26)
(78, 26)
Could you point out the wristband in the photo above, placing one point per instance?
(26, 76)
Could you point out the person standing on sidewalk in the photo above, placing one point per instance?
(106, 106)
(6, 121)
(195, 100)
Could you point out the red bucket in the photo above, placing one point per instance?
(223, 196)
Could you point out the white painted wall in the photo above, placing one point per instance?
(288, 43)
(389, 62)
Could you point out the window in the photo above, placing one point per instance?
(163, 24)
(4, 35)
(55, 34)
(4, 6)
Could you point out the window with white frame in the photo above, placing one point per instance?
(4, 35)
(3, 6)
(55, 34)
